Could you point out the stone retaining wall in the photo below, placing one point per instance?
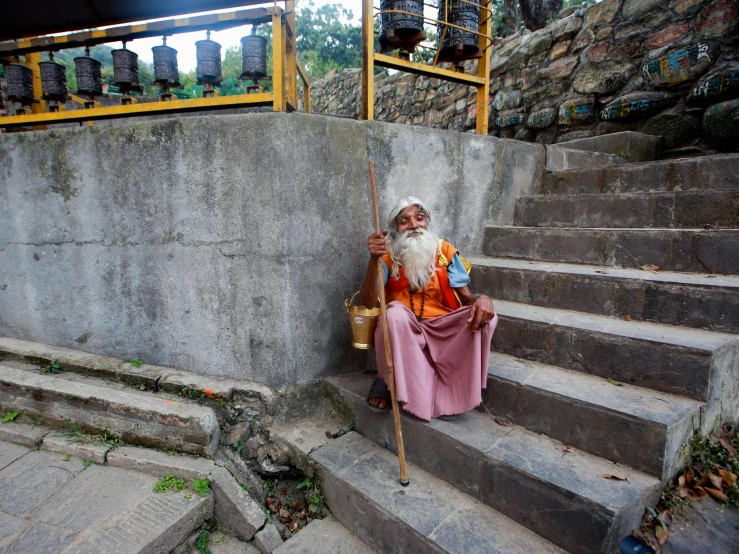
(665, 67)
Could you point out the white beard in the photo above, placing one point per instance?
(416, 254)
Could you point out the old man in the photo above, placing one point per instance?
(439, 331)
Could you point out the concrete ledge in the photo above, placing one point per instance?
(234, 508)
(134, 418)
(560, 158)
(636, 147)
(20, 433)
(63, 444)
(150, 376)
(159, 464)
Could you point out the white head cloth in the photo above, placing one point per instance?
(402, 204)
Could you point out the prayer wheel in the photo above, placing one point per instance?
(401, 30)
(89, 80)
(253, 57)
(458, 45)
(53, 81)
(126, 70)
(20, 83)
(166, 73)
(208, 54)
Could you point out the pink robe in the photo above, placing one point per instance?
(441, 366)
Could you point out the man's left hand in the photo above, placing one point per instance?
(481, 313)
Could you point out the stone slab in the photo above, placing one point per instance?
(10, 528)
(324, 536)
(714, 173)
(528, 477)
(21, 433)
(562, 158)
(268, 539)
(688, 300)
(65, 444)
(160, 464)
(637, 147)
(40, 539)
(304, 436)
(361, 486)
(135, 418)
(707, 526)
(232, 546)
(670, 249)
(625, 416)
(234, 508)
(664, 358)
(10, 452)
(677, 210)
(30, 480)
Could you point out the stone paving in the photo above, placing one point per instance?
(53, 503)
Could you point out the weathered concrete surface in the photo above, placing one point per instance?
(633, 425)
(66, 444)
(636, 147)
(661, 357)
(561, 158)
(268, 539)
(193, 243)
(677, 210)
(670, 249)
(235, 509)
(703, 173)
(688, 300)
(20, 433)
(53, 503)
(159, 464)
(707, 527)
(324, 536)
(135, 418)
(530, 478)
(360, 481)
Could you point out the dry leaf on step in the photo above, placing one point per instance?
(650, 267)
(661, 533)
(614, 477)
(503, 422)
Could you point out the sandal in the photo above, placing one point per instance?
(450, 417)
(378, 390)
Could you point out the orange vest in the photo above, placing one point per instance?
(440, 296)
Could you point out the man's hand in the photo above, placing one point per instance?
(376, 244)
(481, 313)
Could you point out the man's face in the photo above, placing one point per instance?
(411, 219)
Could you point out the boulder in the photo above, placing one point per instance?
(680, 64)
(603, 81)
(674, 128)
(577, 110)
(719, 85)
(721, 125)
(637, 105)
(542, 119)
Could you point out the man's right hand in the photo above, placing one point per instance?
(376, 244)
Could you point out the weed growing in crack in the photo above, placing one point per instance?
(78, 435)
(192, 393)
(170, 483)
(53, 367)
(238, 446)
(201, 486)
(9, 416)
(88, 463)
(202, 543)
(314, 495)
(135, 362)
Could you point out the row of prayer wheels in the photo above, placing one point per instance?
(402, 28)
(126, 70)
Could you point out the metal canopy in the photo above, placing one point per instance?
(33, 18)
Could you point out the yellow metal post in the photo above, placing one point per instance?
(306, 87)
(483, 70)
(368, 61)
(291, 54)
(32, 61)
(278, 63)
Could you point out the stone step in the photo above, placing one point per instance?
(556, 491)
(324, 536)
(561, 158)
(678, 210)
(703, 173)
(362, 489)
(639, 427)
(689, 300)
(676, 360)
(633, 146)
(56, 503)
(669, 249)
(136, 418)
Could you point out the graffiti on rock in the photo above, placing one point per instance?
(576, 111)
(678, 65)
(637, 105)
(718, 86)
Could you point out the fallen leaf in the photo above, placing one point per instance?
(717, 495)
(728, 477)
(568, 449)
(615, 477)
(689, 273)
(614, 382)
(599, 271)
(684, 492)
(666, 517)
(716, 481)
(727, 445)
(650, 267)
(703, 481)
(627, 318)
(503, 422)
(284, 491)
(698, 492)
(661, 533)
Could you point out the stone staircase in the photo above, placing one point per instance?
(598, 368)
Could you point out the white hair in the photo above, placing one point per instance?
(417, 255)
(402, 204)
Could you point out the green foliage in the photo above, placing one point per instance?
(135, 362)
(202, 543)
(53, 367)
(201, 486)
(314, 495)
(9, 416)
(169, 483)
(77, 434)
(192, 393)
(88, 463)
(305, 483)
(239, 446)
(269, 487)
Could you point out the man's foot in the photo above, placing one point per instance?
(378, 399)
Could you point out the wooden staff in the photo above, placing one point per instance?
(388, 352)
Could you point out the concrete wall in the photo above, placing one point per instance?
(225, 245)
